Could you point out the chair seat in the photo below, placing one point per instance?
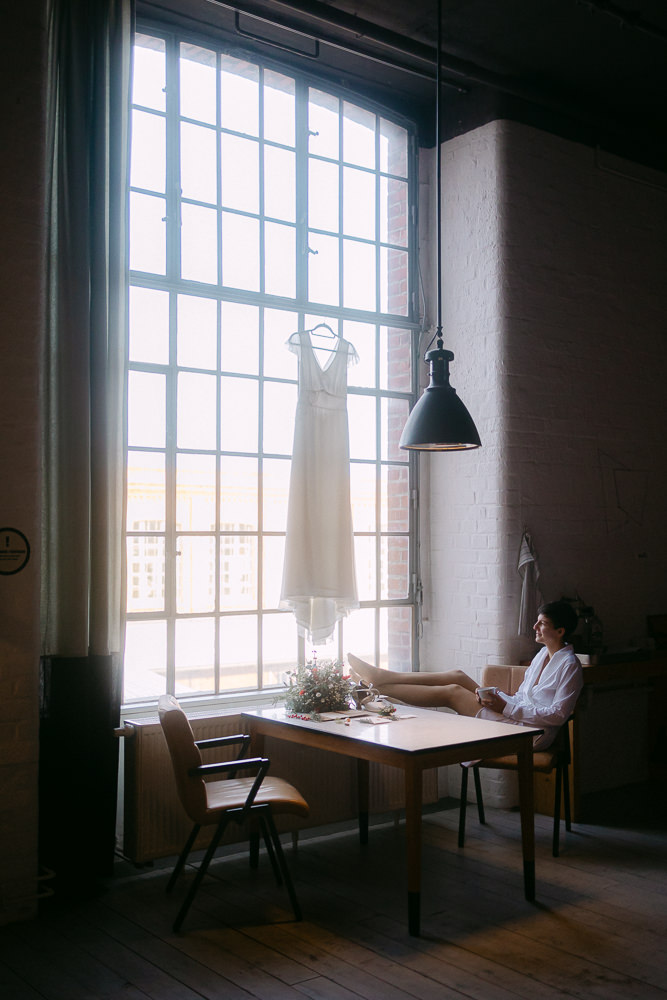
(543, 760)
(233, 792)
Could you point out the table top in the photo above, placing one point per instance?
(414, 731)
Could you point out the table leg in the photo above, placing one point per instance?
(526, 803)
(413, 824)
(362, 799)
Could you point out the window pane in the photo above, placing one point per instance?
(240, 173)
(366, 567)
(280, 402)
(358, 275)
(393, 148)
(395, 359)
(197, 337)
(396, 638)
(362, 496)
(145, 674)
(362, 335)
(195, 655)
(195, 493)
(145, 573)
(361, 418)
(276, 480)
(279, 648)
(394, 281)
(148, 246)
(278, 107)
(238, 572)
(240, 252)
(395, 498)
(323, 124)
(272, 570)
(394, 415)
(279, 361)
(358, 203)
(238, 652)
(359, 634)
(145, 490)
(358, 135)
(323, 269)
(198, 79)
(148, 165)
(279, 184)
(323, 195)
(195, 573)
(199, 169)
(238, 494)
(393, 211)
(240, 338)
(395, 574)
(149, 325)
(146, 410)
(199, 243)
(148, 80)
(196, 410)
(280, 256)
(238, 396)
(239, 95)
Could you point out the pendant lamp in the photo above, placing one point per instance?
(439, 421)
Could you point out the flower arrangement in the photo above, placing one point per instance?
(318, 687)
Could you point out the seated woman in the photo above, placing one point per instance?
(546, 697)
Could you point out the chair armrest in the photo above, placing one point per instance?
(203, 770)
(222, 741)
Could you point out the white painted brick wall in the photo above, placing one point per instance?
(555, 305)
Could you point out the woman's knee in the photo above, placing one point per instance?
(460, 678)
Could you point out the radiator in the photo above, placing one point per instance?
(155, 825)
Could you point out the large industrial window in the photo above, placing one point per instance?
(261, 203)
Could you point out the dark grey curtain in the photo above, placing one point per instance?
(88, 98)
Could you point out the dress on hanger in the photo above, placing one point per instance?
(319, 582)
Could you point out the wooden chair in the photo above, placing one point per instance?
(220, 801)
(555, 758)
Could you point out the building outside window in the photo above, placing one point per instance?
(261, 203)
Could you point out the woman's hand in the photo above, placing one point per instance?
(492, 699)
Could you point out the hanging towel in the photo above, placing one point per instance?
(531, 597)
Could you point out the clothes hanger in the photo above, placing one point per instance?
(329, 335)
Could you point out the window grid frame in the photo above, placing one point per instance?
(175, 285)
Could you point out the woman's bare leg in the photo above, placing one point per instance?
(381, 678)
(459, 699)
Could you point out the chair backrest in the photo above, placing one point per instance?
(507, 678)
(185, 755)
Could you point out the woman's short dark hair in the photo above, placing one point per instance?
(561, 614)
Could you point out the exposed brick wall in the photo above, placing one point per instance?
(555, 306)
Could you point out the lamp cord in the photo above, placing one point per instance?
(438, 175)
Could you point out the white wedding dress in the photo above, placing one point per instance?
(319, 582)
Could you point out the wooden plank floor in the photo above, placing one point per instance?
(597, 930)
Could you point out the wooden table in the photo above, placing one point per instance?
(428, 739)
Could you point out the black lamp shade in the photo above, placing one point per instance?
(439, 421)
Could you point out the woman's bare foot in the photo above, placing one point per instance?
(363, 672)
